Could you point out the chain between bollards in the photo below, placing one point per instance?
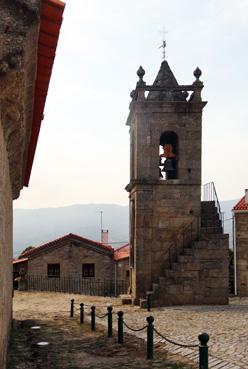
(93, 318)
(203, 350)
(120, 327)
(110, 321)
(72, 308)
(150, 326)
(81, 313)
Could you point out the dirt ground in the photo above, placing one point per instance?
(73, 345)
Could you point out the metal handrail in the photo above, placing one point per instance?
(182, 240)
(210, 194)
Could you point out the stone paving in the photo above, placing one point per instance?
(227, 327)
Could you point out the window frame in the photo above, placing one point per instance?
(55, 268)
(88, 270)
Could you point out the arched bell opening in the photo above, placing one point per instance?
(168, 152)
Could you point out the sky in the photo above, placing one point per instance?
(83, 149)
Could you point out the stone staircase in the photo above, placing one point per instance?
(199, 275)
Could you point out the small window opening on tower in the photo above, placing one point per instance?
(168, 155)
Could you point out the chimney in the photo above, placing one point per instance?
(104, 236)
(246, 195)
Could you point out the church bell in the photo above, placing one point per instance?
(168, 165)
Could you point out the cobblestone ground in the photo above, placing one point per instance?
(226, 325)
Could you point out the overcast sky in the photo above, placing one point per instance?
(83, 150)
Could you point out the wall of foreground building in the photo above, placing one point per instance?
(241, 221)
(5, 249)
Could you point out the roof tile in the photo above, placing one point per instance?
(241, 205)
(49, 245)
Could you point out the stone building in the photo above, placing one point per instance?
(71, 255)
(178, 251)
(27, 51)
(76, 257)
(121, 256)
(240, 212)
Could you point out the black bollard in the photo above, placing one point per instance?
(148, 299)
(203, 350)
(93, 318)
(81, 313)
(110, 327)
(72, 308)
(149, 351)
(120, 327)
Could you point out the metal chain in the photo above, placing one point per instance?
(133, 329)
(173, 342)
(101, 316)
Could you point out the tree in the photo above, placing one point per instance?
(24, 251)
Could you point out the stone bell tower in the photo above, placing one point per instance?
(165, 122)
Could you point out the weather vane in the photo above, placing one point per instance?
(163, 43)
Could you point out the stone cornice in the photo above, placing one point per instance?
(157, 182)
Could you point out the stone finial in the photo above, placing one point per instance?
(197, 73)
(140, 73)
(132, 94)
(185, 94)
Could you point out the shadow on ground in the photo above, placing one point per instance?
(75, 346)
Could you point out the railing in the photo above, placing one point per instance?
(83, 286)
(149, 327)
(210, 194)
(183, 239)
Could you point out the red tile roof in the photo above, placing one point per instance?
(241, 205)
(122, 252)
(19, 261)
(51, 244)
(51, 20)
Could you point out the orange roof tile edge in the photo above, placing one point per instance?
(241, 205)
(53, 21)
(122, 252)
(121, 256)
(19, 261)
(70, 235)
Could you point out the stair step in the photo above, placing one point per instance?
(188, 251)
(207, 204)
(185, 258)
(211, 243)
(212, 216)
(211, 230)
(211, 223)
(168, 273)
(175, 266)
(208, 211)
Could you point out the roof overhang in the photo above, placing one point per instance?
(50, 24)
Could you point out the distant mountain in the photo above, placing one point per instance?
(33, 227)
(37, 226)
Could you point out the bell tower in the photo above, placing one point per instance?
(165, 123)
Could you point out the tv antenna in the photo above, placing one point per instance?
(101, 213)
(163, 43)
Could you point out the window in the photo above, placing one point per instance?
(53, 270)
(127, 273)
(88, 270)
